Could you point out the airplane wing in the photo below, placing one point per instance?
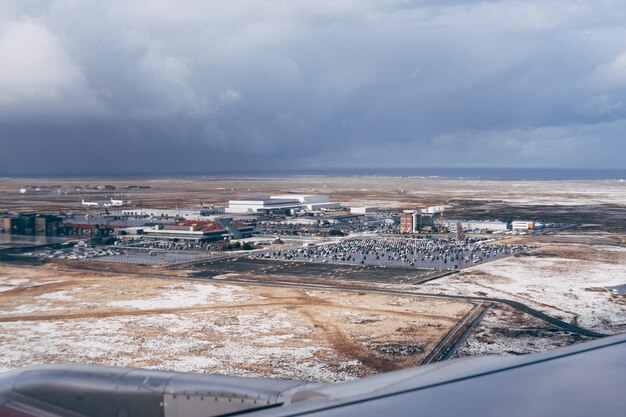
(588, 379)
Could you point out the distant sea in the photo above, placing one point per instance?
(450, 173)
(462, 173)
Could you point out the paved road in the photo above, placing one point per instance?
(461, 338)
(438, 353)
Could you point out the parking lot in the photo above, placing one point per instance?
(430, 253)
(140, 253)
(309, 272)
(155, 257)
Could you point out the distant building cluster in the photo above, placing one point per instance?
(50, 225)
(431, 219)
(281, 214)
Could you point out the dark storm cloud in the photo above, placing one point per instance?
(181, 87)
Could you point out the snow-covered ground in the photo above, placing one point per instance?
(215, 327)
(505, 331)
(247, 345)
(187, 296)
(62, 295)
(562, 286)
(7, 284)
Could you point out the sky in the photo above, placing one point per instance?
(201, 87)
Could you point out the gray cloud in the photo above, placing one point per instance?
(179, 87)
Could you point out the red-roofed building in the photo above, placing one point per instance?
(195, 230)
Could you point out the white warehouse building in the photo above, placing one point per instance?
(363, 210)
(522, 225)
(262, 205)
(434, 209)
(313, 202)
(283, 202)
(303, 198)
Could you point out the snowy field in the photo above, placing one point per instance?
(59, 316)
(566, 281)
(506, 331)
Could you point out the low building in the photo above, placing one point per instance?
(191, 230)
(91, 230)
(480, 226)
(363, 210)
(116, 221)
(200, 213)
(323, 206)
(434, 209)
(340, 216)
(302, 221)
(523, 225)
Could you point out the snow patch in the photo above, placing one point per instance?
(9, 284)
(63, 295)
(187, 297)
(226, 276)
